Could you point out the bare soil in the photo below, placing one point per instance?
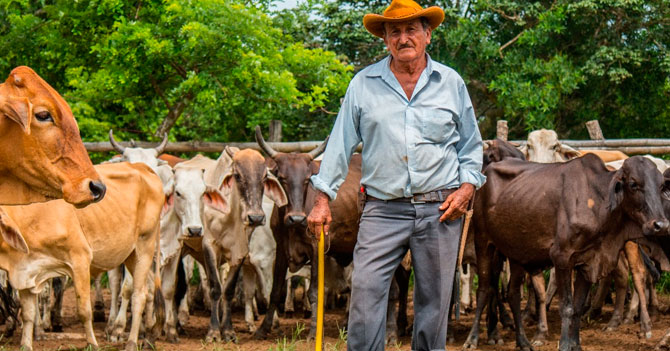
(592, 336)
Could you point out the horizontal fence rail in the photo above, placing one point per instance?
(627, 146)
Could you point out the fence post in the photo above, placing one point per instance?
(502, 130)
(595, 133)
(275, 131)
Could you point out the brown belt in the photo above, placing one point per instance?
(433, 196)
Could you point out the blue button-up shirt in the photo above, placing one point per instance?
(414, 146)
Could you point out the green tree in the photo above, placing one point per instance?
(206, 70)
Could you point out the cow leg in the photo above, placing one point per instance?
(119, 323)
(278, 286)
(139, 265)
(249, 286)
(114, 276)
(551, 287)
(28, 312)
(484, 262)
(529, 315)
(598, 300)
(99, 306)
(402, 278)
(581, 292)
(566, 308)
(620, 274)
(514, 295)
(169, 287)
(392, 313)
(496, 306)
(212, 271)
(653, 302)
(229, 294)
(43, 302)
(542, 329)
(289, 301)
(466, 298)
(58, 285)
(639, 272)
(81, 279)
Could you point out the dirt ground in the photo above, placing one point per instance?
(592, 336)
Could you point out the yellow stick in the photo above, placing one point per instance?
(319, 305)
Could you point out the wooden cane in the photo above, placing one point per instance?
(466, 227)
(319, 305)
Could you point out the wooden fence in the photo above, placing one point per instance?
(627, 146)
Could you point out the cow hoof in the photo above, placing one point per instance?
(252, 328)
(391, 339)
(213, 336)
(180, 329)
(229, 336)
(26, 348)
(645, 335)
(99, 316)
(495, 341)
(171, 336)
(275, 323)
(131, 346)
(117, 335)
(628, 320)
(261, 334)
(57, 328)
(537, 342)
(470, 344)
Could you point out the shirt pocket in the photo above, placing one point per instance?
(437, 126)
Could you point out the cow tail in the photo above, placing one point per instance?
(651, 268)
(159, 300)
(182, 285)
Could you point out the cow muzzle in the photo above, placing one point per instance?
(98, 190)
(194, 231)
(656, 227)
(256, 220)
(295, 220)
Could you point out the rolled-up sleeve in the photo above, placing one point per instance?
(469, 147)
(344, 138)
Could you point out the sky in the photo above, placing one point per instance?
(285, 4)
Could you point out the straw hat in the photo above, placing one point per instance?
(400, 11)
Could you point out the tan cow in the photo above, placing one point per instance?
(41, 155)
(62, 240)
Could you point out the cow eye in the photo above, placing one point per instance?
(178, 193)
(237, 176)
(44, 116)
(633, 185)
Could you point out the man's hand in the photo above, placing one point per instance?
(320, 215)
(456, 204)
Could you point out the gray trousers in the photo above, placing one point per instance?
(387, 230)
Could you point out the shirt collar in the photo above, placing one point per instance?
(383, 68)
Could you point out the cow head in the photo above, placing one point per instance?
(43, 156)
(543, 146)
(148, 156)
(189, 196)
(249, 176)
(497, 150)
(637, 188)
(293, 171)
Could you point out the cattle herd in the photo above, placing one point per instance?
(147, 219)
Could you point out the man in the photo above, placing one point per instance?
(422, 157)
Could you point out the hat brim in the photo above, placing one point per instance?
(374, 23)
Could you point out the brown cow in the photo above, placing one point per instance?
(76, 242)
(573, 215)
(43, 157)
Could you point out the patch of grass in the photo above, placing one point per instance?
(663, 284)
(340, 344)
(284, 344)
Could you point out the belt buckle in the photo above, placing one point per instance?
(414, 201)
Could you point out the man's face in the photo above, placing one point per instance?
(406, 41)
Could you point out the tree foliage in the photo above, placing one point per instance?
(211, 68)
(537, 64)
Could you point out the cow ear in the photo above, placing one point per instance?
(274, 191)
(616, 190)
(271, 165)
(168, 204)
(18, 109)
(227, 183)
(214, 199)
(524, 150)
(568, 152)
(11, 233)
(314, 166)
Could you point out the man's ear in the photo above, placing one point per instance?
(11, 233)
(214, 199)
(18, 109)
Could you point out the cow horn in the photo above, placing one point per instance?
(230, 151)
(116, 145)
(261, 142)
(161, 148)
(319, 149)
(487, 144)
